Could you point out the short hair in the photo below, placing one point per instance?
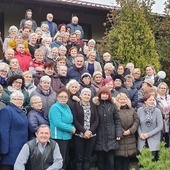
(38, 29)
(163, 83)
(107, 80)
(39, 51)
(46, 25)
(49, 64)
(69, 51)
(136, 70)
(106, 54)
(13, 27)
(46, 39)
(129, 77)
(25, 27)
(72, 81)
(91, 41)
(33, 98)
(152, 67)
(28, 22)
(62, 90)
(79, 55)
(17, 93)
(45, 78)
(90, 52)
(146, 97)
(150, 90)
(33, 35)
(109, 66)
(43, 126)
(9, 49)
(27, 73)
(85, 90)
(62, 46)
(11, 79)
(129, 64)
(127, 100)
(54, 48)
(1, 88)
(61, 58)
(104, 89)
(4, 66)
(59, 27)
(60, 67)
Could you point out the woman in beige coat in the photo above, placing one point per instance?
(129, 123)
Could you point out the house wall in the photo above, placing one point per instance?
(14, 12)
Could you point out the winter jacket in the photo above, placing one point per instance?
(13, 133)
(129, 121)
(109, 125)
(61, 119)
(47, 99)
(35, 119)
(133, 96)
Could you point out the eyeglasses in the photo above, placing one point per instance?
(17, 82)
(3, 71)
(17, 99)
(163, 88)
(63, 97)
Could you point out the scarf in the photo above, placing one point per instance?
(148, 119)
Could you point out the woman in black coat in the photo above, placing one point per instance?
(85, 121)
(109, 131)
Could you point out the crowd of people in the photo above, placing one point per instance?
(61, 101)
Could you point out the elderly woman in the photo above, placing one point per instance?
(61, 119)
(150, 126)
(108, 70)
(13, 130)
(29, 83)
(86, 121)
(47, 94)
(14, 67)
(4, 68)
(35, 116)
(73, 87)
(46, 45)
(122, 70)
(132, 90)
(13, 31)
(97, 80)
(62, 74)
(85, 81)
(137, 76)
(163, 99)
(49, 70)
(109, 130)
(129, 122)
(16, 83)
(92, 65)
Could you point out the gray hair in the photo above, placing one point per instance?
(16, 93)
(34, 98)
(106, 54)
(62, 67)
(28, 22)
(45, 78)
(85, 90)
(43, 126)
(33, 35)
(13, 27)
(4, 66)
(72, 81)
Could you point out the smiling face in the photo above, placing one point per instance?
(149, 71)
(73, 52)
(37, 104)
(14, 64)
(85, 96)
(109, 85)
(104, 96)
(17, 84)
(17, 101)
(20, 48)
(73, 88)
(122, 101)
(98, 78)
(118, 83)
(45, 85)
(62, 97)
(49, 71)
(43, 135)
(150, 102)
(28, 78)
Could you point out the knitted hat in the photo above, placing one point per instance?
(96, 73)
(85, 75)
(149, 82)
(120, 77)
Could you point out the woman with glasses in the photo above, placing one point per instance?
(13, 130)
(163, 99)
(4, 68)
(61, 119)
(35, 116)
(16, 83)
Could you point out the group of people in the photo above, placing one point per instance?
(60, 101)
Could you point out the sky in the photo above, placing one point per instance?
(157, 8)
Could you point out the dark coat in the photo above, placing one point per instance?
(138, 83)
(78, 115)
(129, 121)
(122, 90)
(47, 100)
(35, 119)
(13, 133)
(133, 96)
(72, 102)
(109, 125)
(55, 81)
(74, 73)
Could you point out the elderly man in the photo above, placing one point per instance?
(74, 26)
(78, 69)
(52, 26)
(40, 153)
(9, 53)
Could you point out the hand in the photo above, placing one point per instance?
(76, 98)
(118, 138)
(126, 132)
(73, 131)
(88, 134)
(145, 135)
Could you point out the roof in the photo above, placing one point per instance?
(81, 3)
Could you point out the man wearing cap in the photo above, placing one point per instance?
(118, 81)
(77, 69)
